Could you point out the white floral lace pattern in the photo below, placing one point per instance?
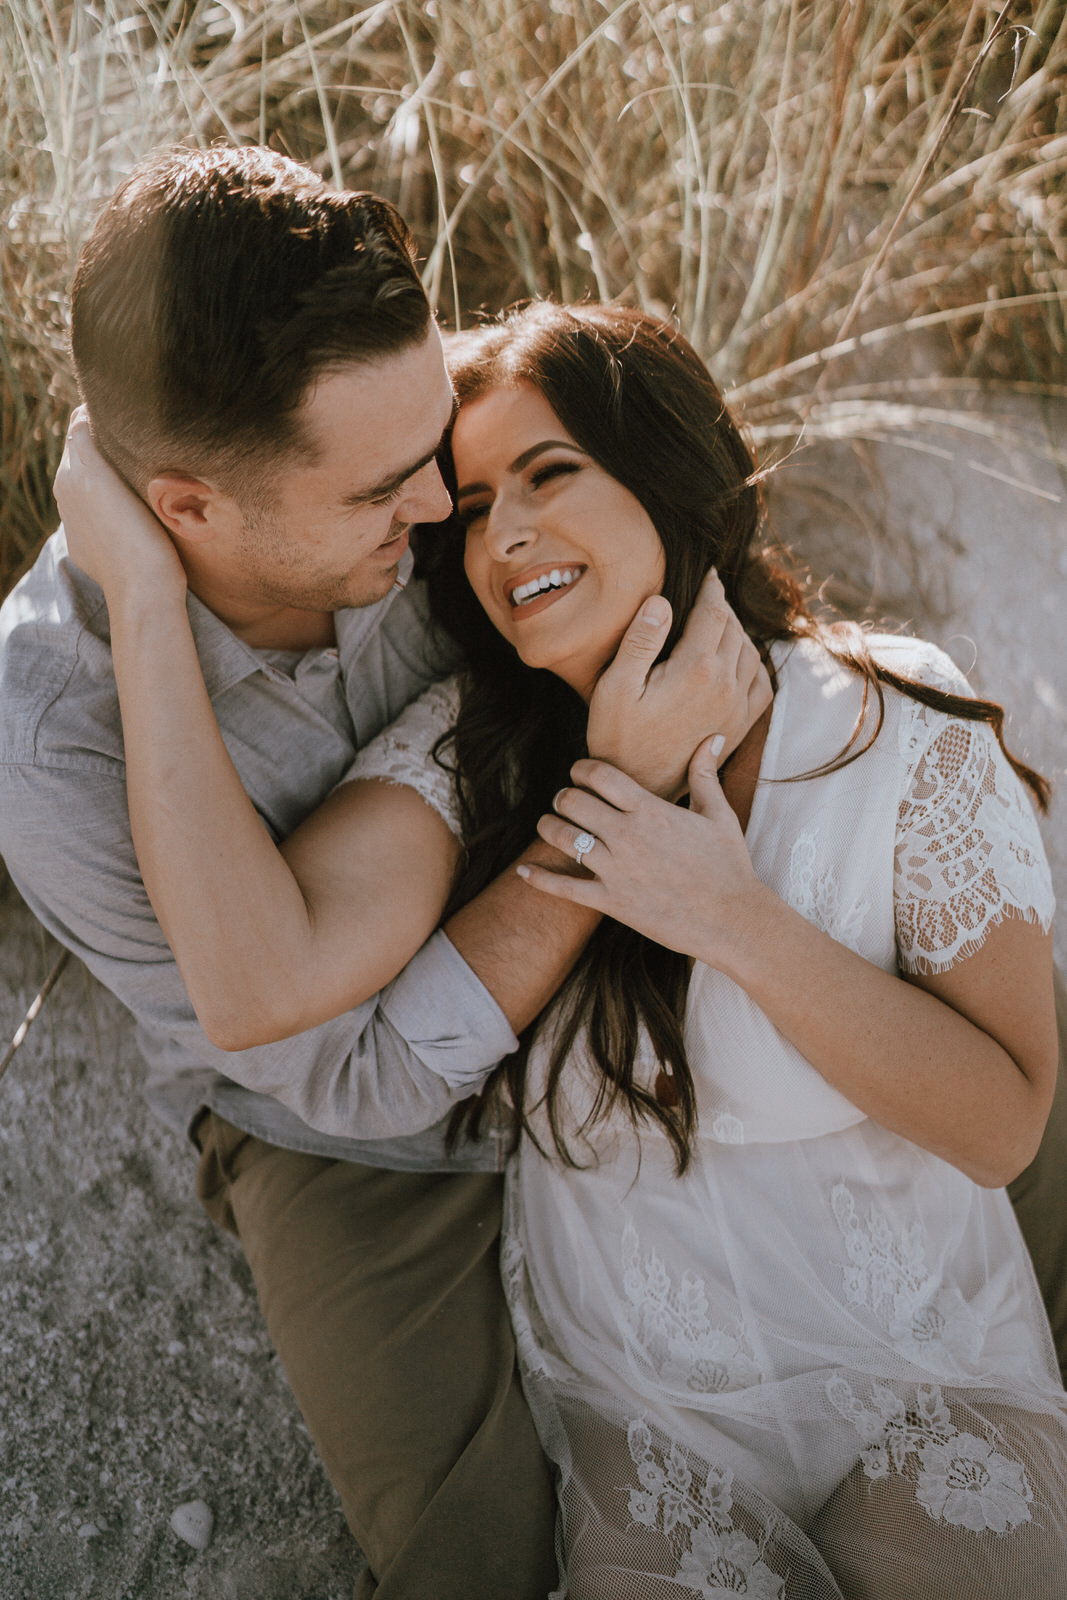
(513, 1276)
(673, 1331)
(403, 753)
(728, 1129)
(959, 1478)
(968, 847)
(817, 895)
(926, 1320)
(718, 1559)
(937, 671)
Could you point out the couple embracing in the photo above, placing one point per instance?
(585, 850)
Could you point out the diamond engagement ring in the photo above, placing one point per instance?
(582, 846)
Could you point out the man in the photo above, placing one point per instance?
(260, 363)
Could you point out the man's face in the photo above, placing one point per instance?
(334, 524)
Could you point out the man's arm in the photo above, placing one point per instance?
(267, 945)
(358, 888)
(230, 905)
(271, 942)
(391, 1066)
(520, 950)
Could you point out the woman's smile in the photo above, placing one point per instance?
(559, 554)
(530, 593)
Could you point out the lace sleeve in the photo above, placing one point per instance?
(403, 752)
(968, 849)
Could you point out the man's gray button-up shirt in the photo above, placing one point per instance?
(364, 1086)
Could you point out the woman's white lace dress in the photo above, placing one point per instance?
(818, 1364)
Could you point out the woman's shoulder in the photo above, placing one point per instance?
(439, 704)
(405, 752)
(918, 661)
(823, 657)
(825, 703)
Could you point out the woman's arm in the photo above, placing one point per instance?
(962, 1063)
(269, 942)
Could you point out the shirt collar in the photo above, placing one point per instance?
(226, 660)
(358, 624)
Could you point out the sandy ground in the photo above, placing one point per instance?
(134, 1373)
(134, 1370)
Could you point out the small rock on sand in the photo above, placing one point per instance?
(193, 1522)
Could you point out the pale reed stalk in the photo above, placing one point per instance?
(789, 180)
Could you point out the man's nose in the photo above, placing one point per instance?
(427, 500)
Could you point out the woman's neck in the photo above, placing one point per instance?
(740, 771)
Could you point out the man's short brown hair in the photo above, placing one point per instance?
(216, 287)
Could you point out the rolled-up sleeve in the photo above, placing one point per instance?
(438, 1007)
(394, 1065)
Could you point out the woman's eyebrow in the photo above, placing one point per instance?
(523, 461)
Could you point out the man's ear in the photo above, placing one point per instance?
(193, 509)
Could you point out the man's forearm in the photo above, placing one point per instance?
(519, 943)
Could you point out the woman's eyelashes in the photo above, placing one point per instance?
(552, 469)
(468, 515)
(472, 513)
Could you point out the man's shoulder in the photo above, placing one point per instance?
(58, 702)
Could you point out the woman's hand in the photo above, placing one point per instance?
(111, 533)
(647, 719)
(962, 1064)
(682, 878)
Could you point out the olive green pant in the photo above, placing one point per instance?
(382, 1295)
(381, 1292)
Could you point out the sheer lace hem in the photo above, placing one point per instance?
(403, 753)
(968, 851)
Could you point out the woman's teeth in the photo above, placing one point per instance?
(558, 578)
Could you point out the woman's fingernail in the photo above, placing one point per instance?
(655, 611)
(523, 872)
(717, 745)
(557, 797)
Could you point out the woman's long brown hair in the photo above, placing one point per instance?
(636, 397)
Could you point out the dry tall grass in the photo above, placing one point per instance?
(795, 178)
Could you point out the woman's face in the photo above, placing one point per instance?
(559, 554)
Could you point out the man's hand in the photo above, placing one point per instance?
(111, 533)
(648, 720)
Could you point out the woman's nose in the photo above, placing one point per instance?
(507, 531)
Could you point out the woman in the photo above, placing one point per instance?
(777, 1325)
